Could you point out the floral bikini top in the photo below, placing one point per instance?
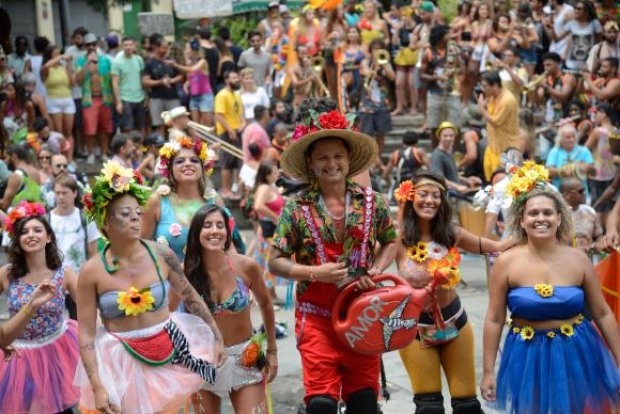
(426, 261)
(237, 302)
(49, 318)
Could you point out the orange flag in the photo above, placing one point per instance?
(608, 271)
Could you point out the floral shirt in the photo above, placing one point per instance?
(48, 319)
(293, 235)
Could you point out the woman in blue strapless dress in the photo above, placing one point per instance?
(554, 360)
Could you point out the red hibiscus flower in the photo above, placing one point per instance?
(138, 177)
(300, 131)
(87, 200)
(357, 234)
(333, 120)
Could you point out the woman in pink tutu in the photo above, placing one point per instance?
(142, 359)
(39, 379)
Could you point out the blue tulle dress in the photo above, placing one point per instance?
(564, 370)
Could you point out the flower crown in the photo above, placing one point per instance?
(406, 190)
(170, 149)
(327, 120)
(115, 180)
(22, 210)
(525, 179)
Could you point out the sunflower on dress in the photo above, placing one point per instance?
(134, 301)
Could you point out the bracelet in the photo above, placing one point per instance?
(27, 309)
(312, 279)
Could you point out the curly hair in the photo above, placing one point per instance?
(517, 212)
(442, 228)
(17, 257)
(193, 265)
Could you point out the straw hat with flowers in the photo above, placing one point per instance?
(363, 150)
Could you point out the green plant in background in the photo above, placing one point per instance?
(239, 26)
(448, 9)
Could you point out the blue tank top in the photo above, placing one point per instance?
(171, 229)
(108, 304)
(566, 302)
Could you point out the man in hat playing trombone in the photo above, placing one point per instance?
(332, 229)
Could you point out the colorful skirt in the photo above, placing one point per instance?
(39, 379)
(139, 388)
(564, 370)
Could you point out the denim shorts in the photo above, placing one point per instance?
(201, 103)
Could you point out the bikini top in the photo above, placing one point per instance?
(117, 303)
(237, 302)
(554, 302)
(108, 302)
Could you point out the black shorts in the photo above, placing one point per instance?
(134, 116)
(375, 123)
(229, 161)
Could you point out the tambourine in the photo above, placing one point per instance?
(379, 320)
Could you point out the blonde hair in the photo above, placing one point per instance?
(564, 233)
(244, 72)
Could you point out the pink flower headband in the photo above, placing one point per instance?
(170, 149)
(22, 210)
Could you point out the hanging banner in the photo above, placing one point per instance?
(150, 23)
(197, 9)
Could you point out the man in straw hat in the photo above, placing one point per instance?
(331, 228)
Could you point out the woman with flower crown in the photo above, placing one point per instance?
(186, 164)
(39, 378)
(142, 358)
(428, 252)
(554, 360)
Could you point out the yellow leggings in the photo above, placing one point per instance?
(457, 359)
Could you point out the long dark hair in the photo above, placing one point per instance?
(442, 229)
(264, 169)
(17, 257)
(194, 269)
(202, 183)
(47, 53)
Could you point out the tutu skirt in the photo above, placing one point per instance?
(138, 388)
(559, 371)
(40, 379)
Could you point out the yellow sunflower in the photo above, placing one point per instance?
(567, 329)
(134, 301)
(516, 329)
(412, 253)
(579, 319)
(421, 256)
(117, 176)
(527, 333)
(551, 334)
(544, 290)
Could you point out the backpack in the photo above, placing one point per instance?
(408, 163)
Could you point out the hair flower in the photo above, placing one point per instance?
(405, 192)
(117, 176)
(170, 149)
(567, 329)
(134, 301)
(21, 211)
(525, 179)
(527, 333)
(544, 290)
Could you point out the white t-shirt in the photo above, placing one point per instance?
(70, 236)
(559, 23)
(583, 40)
(252, 99)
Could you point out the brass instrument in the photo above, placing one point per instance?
(536, 80)
(381, 57)
(206, 134)
(317, 63)
(557, 124)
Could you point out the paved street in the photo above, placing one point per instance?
(287, 390)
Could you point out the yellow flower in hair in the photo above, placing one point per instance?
(567, 329)
(134, 301)
(551, 334)
(169, 149)
(204, 152)
(527, 333)
(117, 176)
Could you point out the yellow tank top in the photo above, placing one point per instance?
(57, 83)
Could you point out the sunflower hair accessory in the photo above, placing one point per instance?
(170, 149)
(406, 190)
(113, 181)
(525, 179)
(21, 211)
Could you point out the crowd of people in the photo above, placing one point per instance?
(131, 291)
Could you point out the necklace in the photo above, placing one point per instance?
(333, 216)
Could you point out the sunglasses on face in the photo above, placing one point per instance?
(44, 158)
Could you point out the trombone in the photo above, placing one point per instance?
(380, 56)
(317, 63)
(206, 134)
(536, 80)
